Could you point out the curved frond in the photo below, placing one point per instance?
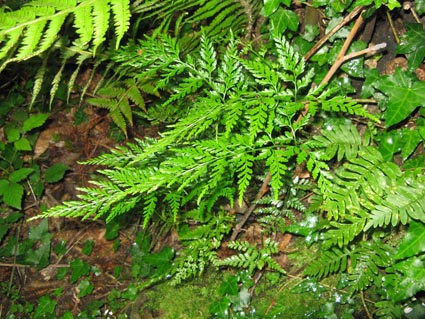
(34, 28)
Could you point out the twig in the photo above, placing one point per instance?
(393, 30)
(322, 41)
(264, 189)
(408, 5)
(346, 45)
(367, 51)
(369, 315)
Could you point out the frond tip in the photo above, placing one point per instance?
(35, 27)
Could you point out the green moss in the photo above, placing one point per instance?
(191, 300)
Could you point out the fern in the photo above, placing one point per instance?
(402, 203)
(245, 113)
(253, 258)
(200, 245)
(222, 16)
(35, 30)
(198, 168)
(118, 100)
(39, 23)
(366, 261)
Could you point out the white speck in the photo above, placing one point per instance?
(408, 310)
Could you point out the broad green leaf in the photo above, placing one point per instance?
(354, 67)
(407, 280)
(390, 143)
(283, 19)
(85, 287)
(5, 223)
(39, 231)
(413, 45)
(270, 6)
(79, 269)
(391, 4)
(4, 185)
(405, 93)
(13, 196)
(229, 286)
(40, 256)
(55, 173)
(45, 307)
(161, 261)
(13, 217)
(12, 134)
(23, 145)
(88, 247)
(20, 174)
(413, 242)
(34, 121)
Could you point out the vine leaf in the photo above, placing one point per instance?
(413, 45)
(413, 242)
(404, 96)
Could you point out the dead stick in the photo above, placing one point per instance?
(264, 188)
(322, 41)
(346, 45)
(367, 51)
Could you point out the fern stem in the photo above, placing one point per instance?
(369, 315)
(263, 190)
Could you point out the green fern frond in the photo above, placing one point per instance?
(402, 202)
(35, 29)
(39, 80)
(118, 100)
(39, 24)
(341, 139)
(341, 234)
(83, 24)
(340, 103)
(121, 14)
(200, 245)
(208, 61)
(251, 257)
(358, 185)
(245, 163)
(122, 155)
(276, 163)
(366, 260)
(150, 205)
(101, 14)
(330, 261)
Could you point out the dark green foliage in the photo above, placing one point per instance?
(242, 111)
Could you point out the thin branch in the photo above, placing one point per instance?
(365, 306)
(367, 51)
(346, 45)
(264, 189)
(323, 40)
(393, 30)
